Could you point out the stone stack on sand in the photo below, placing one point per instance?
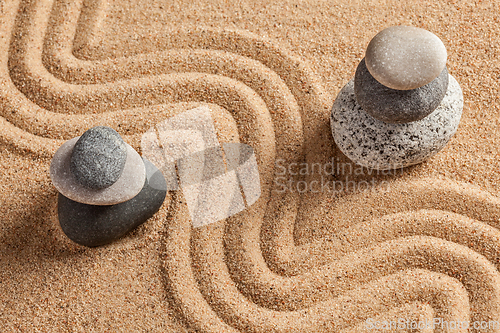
(106, 188)
(402, 106)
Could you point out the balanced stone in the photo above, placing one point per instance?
(93, 225)
(128, 185)
(405, 58)
(397, 106)
(375, 144)
(98, 157)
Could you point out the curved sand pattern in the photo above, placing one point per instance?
(247, 273)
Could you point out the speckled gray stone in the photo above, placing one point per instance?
(91, 225)
(397, 106)
(379, 145)
(98, 157)
(405, 58)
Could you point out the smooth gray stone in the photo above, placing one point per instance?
(375, 144)
(397, 106)
(92, 225)
(405, 58)
(98, 157)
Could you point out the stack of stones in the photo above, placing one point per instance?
(105, 188)
(402, 106)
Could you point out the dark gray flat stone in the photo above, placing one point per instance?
(92, 225)
(98, 158)
(397, 106)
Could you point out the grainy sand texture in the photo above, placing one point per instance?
(416, 244)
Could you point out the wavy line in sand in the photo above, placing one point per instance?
(219, 297)
(458, 224)
(30, 76)
(427, 193)
(479, 276)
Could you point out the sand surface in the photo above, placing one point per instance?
(418, 244)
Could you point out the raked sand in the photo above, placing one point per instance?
(414, 244)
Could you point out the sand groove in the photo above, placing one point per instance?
(217, 277)
(219, 297)
(432, 194)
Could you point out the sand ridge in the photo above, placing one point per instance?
(427, 249)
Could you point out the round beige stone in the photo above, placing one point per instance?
(405, 58)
